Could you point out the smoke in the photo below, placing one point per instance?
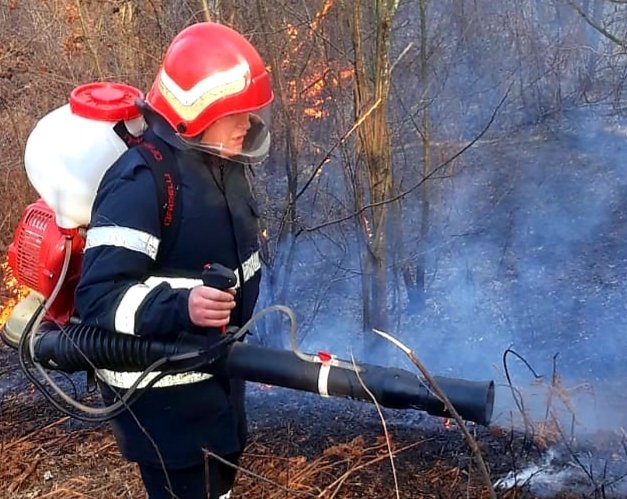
(555, 472)
(530, 253)
(526, 250)
(526, 246)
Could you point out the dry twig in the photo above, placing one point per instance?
(383, 423)
(30, 435)
(212, 455)
(472, 443)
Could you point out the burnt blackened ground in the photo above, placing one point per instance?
(565, 468)
(302, 445)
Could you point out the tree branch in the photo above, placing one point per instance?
(423, 180)
(434, 387)
(342, 139)
(600, 29)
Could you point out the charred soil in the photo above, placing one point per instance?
(300, 446)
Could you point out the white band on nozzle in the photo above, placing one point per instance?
(323, 379)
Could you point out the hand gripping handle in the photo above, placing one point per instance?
(220, 277)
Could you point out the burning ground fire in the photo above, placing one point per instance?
(11, 293)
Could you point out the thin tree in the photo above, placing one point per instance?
(370, 27)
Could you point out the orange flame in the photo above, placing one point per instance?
(13, 291)
(292, 32)
(312, 112)
(312, 86)
(326, 7)
(314, 94)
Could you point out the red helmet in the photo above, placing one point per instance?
(210, 72)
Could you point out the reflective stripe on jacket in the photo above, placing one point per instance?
(129, 286)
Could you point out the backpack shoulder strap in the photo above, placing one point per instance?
(160, 159)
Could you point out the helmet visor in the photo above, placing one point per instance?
(241, 137)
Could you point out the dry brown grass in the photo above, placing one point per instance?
(47, 47)
(55, 461)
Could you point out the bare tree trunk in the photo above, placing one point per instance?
(414, 272)
(373, 150)
(426, 159)
(595, 13)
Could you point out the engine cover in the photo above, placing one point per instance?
(36, 258)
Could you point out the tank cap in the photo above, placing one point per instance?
(105, 101)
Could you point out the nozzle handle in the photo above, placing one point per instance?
(218, 276)
(215, 275)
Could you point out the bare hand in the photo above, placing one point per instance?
(210, 307)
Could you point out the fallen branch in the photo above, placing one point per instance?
(472, 443)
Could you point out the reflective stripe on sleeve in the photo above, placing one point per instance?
(135, 296)
(125, 323)
(250, 267)
(125, 379)
(123, 237)
(130, 302)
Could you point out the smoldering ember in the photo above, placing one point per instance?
(450, 173)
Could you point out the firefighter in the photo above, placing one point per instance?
(207, 115)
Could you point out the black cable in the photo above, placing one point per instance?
(24, 357)
(168, 365)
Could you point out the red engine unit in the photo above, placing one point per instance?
(36, 258)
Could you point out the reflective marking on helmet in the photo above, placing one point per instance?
(250, 267)
(126, 379)
(188, 104)
(123, 237)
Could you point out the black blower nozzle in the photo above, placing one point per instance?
(70, 349)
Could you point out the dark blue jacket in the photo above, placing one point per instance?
(218, 223)
(131, 285)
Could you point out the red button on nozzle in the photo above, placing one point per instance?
(325, 356)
